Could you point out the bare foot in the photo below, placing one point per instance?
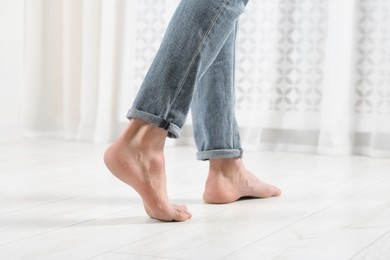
(229, 181)
(137, 159)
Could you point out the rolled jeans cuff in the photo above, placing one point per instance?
(173, 130)
(222, 153)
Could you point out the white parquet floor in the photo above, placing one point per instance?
(58, 201)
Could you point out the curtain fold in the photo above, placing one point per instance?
(72, 60)
(336, 116)
(311, 76)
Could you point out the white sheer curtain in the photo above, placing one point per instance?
(72, 68)
(312, 76)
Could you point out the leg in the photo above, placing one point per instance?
(214, 123)
(216, 133)
(194, 37)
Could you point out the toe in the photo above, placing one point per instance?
(277, 191)
(181, 213)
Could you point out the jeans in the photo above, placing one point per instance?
(194, 66)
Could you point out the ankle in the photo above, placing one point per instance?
(225, 166)
(144, 136)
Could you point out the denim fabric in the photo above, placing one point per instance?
(195, 62)
(214, 124)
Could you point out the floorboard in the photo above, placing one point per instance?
(58, 201)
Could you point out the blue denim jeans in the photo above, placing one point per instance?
(194, 66)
